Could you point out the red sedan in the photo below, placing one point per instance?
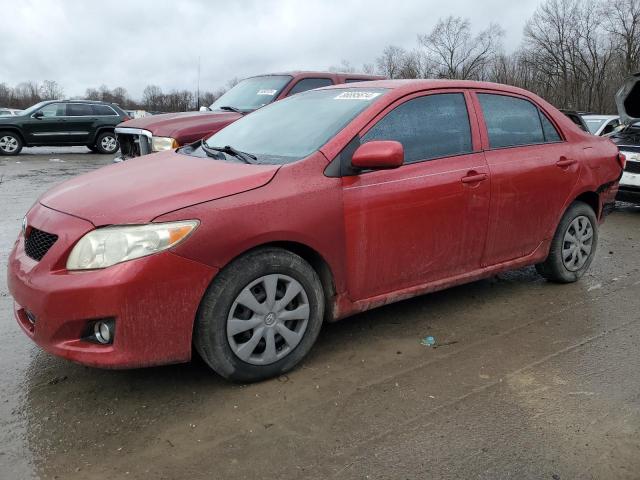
(328, 203)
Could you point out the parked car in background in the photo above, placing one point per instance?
(601, 124)
(172, 130)
(328, 203)
(63, 123)
(9, 112)
(627, 138)
(576, 117)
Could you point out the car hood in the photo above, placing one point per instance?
(176, 125)
(141, 189)
(628, 100)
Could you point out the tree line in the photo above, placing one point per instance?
(153, 98)
(574, 53)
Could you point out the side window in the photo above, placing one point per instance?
(79, 110)
(53, 110)
(428, 127)
(611, 126)
(103, 110)
(309, 84)
(550, 132)
(510, 121)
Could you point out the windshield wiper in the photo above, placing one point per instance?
(231, 109)
(244, 156)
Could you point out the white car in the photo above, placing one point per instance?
(9, 112)
(601, 124)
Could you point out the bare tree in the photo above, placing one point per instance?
(51, 90)
(456, 52)
(622, 22)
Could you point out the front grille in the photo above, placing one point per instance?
(132, 145)
(37, 243)
(632, 167)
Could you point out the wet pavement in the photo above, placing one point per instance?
(527, 380)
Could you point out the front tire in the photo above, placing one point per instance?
(260, 316)
(10, 143)
(573, 246)
(106, 143)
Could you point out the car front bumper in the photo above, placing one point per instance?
(629, 189)
(152, 300)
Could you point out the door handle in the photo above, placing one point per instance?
(565, 162)
(473, 177)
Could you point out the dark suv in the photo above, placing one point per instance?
(62, 123)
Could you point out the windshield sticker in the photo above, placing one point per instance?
(271, 93)
(357, 96)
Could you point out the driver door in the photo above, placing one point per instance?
(48, 129)
(426, 220)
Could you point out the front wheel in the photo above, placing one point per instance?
(10, 143)
(107, 143)
(573, 246)
(260, 316)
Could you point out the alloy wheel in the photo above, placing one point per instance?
(109, 143)
(9, 144)
(268, 319)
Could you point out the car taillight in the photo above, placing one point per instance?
(622, 160)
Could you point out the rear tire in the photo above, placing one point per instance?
(10, 143)
(573, 246)
(106, 143)
(275, 331)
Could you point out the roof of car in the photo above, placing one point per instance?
(320, 74)
(76, 100)
(429, 84)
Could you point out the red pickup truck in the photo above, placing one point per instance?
(171, 130)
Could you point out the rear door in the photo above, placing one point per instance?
(426, 220)
(50, 128)
(533, 171)
(81, 121)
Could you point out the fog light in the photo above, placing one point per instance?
(103, 332)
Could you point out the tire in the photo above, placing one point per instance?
(106, 143)
(578, 222)
(93, 148)
(10, 143)
(249, 279)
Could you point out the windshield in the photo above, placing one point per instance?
(296, 127)
(33, 108)
(594, 123)
(252, 93)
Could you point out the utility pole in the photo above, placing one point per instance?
(198, 87)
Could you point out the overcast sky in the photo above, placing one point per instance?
(133, 43)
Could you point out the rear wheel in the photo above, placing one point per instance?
(260, 316)
(573, 246)
(107, 143)
(10, 143)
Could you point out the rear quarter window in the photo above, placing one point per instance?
(309, 84)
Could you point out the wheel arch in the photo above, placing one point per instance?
(100, 130)
(13, 129)
(592, 199)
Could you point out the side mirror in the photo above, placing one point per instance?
(38, 114)
(205, 109)
(378, 155)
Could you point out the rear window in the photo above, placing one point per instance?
(79, 110)
(511, 121)
(103, 110)
(310, 84)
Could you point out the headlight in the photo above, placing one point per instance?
(633, 156)
(158, 144)
(107, 246)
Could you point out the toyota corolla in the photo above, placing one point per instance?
(328, 203)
